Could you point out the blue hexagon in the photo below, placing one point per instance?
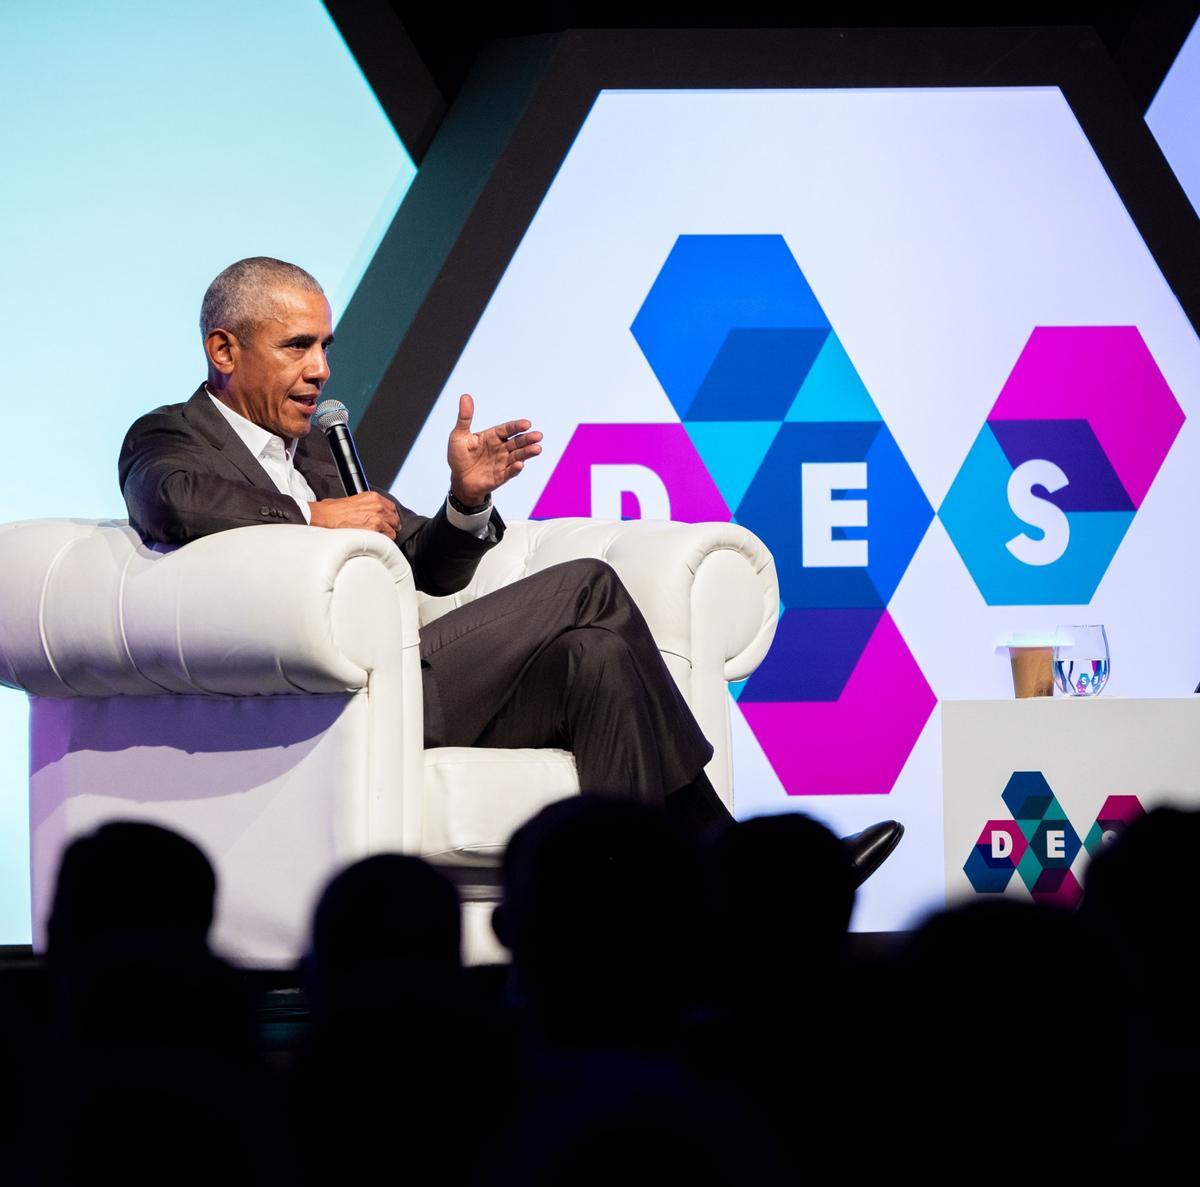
(986, 874)
(1027, 796)
(710, 287)
(829, 554)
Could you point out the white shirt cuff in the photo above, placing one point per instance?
(305, 510)
(476, 524)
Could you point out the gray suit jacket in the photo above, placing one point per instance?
(185, 473)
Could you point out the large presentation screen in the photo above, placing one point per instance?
(910, 338)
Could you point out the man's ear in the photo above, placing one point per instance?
(222, 350)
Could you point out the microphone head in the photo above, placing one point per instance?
(330, 413)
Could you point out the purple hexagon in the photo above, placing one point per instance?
(858, 743)
(1104, 375)
(812, 656)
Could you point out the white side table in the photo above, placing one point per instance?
(1032, 787)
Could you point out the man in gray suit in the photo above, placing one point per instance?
(562, 658)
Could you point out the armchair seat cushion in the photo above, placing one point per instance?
(476, 798)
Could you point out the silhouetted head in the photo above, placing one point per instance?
(130, 882)
(387, 909)
(781, 889)
(1141, 891)
(599, 900)
(1011, 1010)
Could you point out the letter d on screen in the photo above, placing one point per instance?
(610, 481)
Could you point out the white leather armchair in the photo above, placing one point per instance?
(260, 691)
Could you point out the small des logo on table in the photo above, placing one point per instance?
(1039, 844)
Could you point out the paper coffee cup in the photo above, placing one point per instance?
(1032, 671)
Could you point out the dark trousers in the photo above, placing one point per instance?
(563, 658)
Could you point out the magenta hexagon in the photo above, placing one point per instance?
(641, 471)
(1058, 888)
(858, 744)
(1106, 376)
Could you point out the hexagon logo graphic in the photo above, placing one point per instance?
(1056, 475)
(779, 434)
(1039, 844)
(1116, 814)
(995, 857)
(615, 471)
(775, 408)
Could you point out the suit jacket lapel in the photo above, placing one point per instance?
(215, 429)
(312, 457)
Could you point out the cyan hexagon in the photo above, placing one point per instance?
(981, 524)
(732, 451)
(898, 513)
(832, 390)
(709, 286)
(1092, 401)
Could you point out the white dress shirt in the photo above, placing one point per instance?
(277, 457)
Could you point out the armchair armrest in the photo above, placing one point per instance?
(708, 592)
(87, 610)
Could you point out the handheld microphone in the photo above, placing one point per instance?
(334, 417)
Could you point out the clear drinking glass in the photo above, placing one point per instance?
(1081, 662)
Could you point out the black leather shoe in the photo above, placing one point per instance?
(872, 847)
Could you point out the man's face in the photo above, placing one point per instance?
(275, 378)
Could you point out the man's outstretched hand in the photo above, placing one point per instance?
(480, 462)
(368, 510)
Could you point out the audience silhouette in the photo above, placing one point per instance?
(153, 1042)
(670, 1011)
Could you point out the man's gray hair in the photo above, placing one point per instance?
(240, 297)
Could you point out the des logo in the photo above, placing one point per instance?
(1056, 475)
(1039, 844)
(778, 432)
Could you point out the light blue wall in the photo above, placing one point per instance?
(144, 147)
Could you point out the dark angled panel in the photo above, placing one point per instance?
(437, 313)
(393, 68)
(434, 259)
(1152, 44)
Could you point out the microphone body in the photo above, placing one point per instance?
(333, 416)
